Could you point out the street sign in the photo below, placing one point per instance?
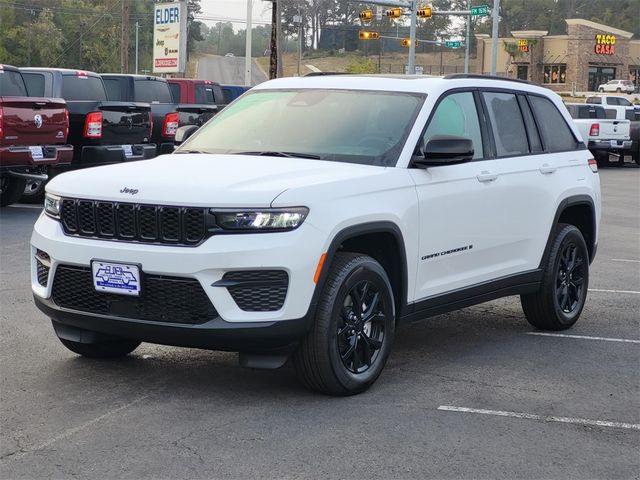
(378, 13)
(480, 11)
(453, 44)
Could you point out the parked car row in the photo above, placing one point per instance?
(609, 125)
(53, 120)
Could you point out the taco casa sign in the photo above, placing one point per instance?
(605, 44)
(169, 37)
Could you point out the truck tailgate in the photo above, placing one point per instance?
(33, 121)
(613, 129)
(195, 114)
(125, 122)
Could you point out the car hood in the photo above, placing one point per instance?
(204, 179)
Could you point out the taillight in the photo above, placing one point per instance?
(66, 119)
(1, 131)
(170, 124)
(93, 125)
(593, 165)
(594, 131)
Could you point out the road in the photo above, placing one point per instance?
(228, 70)
(184, 413)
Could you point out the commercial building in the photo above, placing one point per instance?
(588, 55)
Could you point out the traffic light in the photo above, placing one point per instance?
(406, 42)
(366, 15)
(425, 12)
(364, 35)
(394, 13)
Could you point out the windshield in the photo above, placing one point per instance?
(339, 125)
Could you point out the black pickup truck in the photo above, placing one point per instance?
(167, 115)
(101, 131)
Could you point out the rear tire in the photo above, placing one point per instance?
(33, 192)
(106, 349)
(11, 189)
(351, 338)
(559, 301)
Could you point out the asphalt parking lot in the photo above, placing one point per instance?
(468, 394)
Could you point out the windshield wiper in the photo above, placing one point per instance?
(281, 154)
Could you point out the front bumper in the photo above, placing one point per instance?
(207, 263)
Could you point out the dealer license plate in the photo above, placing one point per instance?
(128, 150)
(117, 278)
(36, 153)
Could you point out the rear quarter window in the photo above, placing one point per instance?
(81, 87)
(12, 84)
(556, 134)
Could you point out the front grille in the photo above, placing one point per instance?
(258, 290)
(134, 222)
(162, 299)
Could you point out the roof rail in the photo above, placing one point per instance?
(455, 76)
(322, 74)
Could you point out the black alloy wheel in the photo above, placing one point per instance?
(361, 331)
(570, 278)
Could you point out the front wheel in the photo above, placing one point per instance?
(350, 341)
(560, 300)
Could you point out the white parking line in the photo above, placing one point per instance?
(584, 337)
(612, 291)
(544, 418)
(624, 260)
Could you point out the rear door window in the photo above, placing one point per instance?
(509, 132)
(152, 91)
(12, 84)
(556, 134)
(535, 145)
(83, 87)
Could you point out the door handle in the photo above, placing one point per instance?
(485, 176)
(546, 168)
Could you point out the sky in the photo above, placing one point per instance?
(235, 11)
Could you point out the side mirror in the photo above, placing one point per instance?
(183, 133)
(445, 150)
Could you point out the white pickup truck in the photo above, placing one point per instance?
(603, 136)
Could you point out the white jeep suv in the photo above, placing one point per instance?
(313, 215)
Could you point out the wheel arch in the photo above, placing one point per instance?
(580, 211)
(382, 240)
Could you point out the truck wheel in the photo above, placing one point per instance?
(11, 189)
(33, 192)
(351, 338)
(108, 349)
(559, 302)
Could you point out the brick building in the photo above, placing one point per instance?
(588, 55)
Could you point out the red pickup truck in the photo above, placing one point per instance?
(33, 135)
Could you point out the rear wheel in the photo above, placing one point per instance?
(106, 349)
(33, 191)
(348, 346)
(11, 189)
(560, 300)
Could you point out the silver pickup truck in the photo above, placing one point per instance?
(603, 136)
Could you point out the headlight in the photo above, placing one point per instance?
(268, 219)
(52, 205)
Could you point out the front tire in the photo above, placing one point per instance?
(107, 349)
(351, 338)
(559, 301)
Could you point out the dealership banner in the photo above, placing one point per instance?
(170, 37)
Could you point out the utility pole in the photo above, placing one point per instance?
(137, 44)
(279, 65)
(466, 40)
(124, 38)
(298, 20)
(247, 48)
(412, 36)
(494, 35)
(273, 59)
